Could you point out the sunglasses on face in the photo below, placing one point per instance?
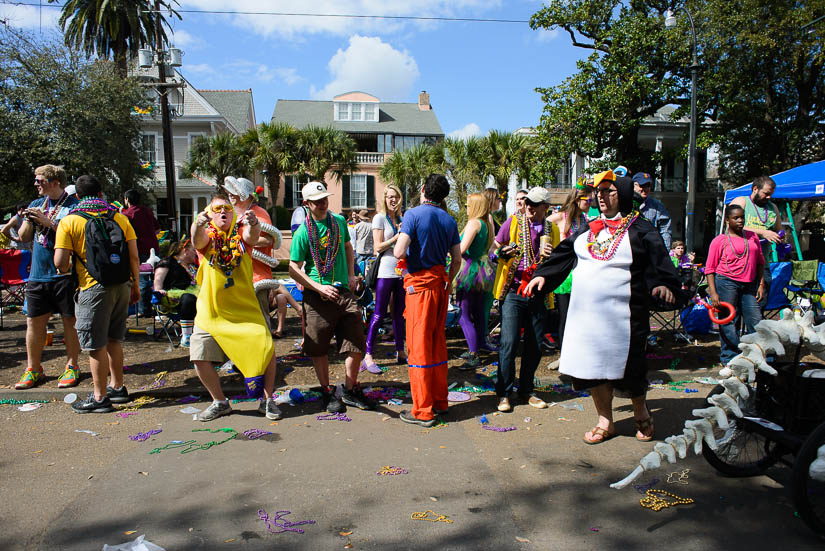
(40, 182)
(585, 198)
(606, 192)
(223, 207)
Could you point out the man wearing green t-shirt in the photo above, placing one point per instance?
(330, 308)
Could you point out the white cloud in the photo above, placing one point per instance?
(466, 131)
(245, 69)
(294, 27)
(370, 65)
(184, 39)
(289, 75)
(29, 17)
(199, 69)
(546, 35)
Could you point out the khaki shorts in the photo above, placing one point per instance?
(101, 314)
(204, 348)
(326, 319)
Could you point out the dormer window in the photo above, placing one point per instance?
(356, 111)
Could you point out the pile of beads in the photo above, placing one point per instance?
(285, 526)
(391, 470)
(12, 401)
(254, 434)
(653, 501)
(333, 417)
(498, 429)
(142, 436)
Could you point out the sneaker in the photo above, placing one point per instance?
(465, 355)
(215, 410)
(90, 405)
(29, 379)
(355, 397)
(70, 377)
(407, 417)
(118, 395)
(268, 408)
(489, 346)
(440, 411)
(330, 402)
(504, 404)
(470, 363)
(184, 341)
(535, 401)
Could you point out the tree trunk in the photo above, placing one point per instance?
(273, 180)
(121, 60)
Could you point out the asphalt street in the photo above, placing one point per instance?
(536, 487)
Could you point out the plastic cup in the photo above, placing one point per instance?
(49, 337)
(70, 398)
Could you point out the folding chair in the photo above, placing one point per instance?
(165, 320)
(14, 273)
(669, 316)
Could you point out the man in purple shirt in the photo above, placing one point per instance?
(146, 228)
(520, 248)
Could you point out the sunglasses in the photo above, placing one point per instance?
(585, 198)
(221, 208)
(605, 192)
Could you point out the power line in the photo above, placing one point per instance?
(336, 15)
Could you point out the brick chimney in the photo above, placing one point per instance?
(424, 101)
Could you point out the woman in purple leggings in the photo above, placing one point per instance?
(475, 278)
(390, 286)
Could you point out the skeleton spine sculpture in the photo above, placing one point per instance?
(270, 261)
(770, 338)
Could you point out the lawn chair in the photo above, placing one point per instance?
(165, 320)
(14, 273)
(669, 317)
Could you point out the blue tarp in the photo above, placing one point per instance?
(797, 184)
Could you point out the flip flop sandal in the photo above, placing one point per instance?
(599, 432)
(643, 427)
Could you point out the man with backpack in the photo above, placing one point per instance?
(105, 251)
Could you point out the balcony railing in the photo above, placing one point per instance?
(679, 185)
(369, 158)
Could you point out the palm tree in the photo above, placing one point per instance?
(217, 156)
(502, 151)
(408, 169)
(324, 149)
(272, 149)
(116, 27)
(464, 163)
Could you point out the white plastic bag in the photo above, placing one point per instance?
(139, 544)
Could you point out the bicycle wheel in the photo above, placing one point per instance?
(809, 491)
(740, 452)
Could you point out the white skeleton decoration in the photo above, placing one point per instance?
(270, 261)
(770, 337)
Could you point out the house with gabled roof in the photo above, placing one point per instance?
(379, 128)
(194, 113)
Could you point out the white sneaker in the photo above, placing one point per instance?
(268, 408)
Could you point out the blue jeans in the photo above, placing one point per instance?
(519, 313)
(743, 298)
(144, 306)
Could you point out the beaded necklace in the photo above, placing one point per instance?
(606, 250)
(738, 256)
(764, 211)
(526, 242)
(41, 234)
(431, 203)
(576, 224)
(92, 204)
(229, 250)
(316, 243)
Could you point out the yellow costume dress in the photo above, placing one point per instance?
(228, 310)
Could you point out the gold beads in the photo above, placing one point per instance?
(653, 501)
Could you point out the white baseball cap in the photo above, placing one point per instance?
(538, 195)
(314, 191)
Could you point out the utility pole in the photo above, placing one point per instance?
(168, 149)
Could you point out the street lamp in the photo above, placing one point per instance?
(670, 22)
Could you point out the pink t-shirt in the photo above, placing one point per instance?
(727, 258)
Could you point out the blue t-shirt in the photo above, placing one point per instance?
(433, 232)
(42, 267)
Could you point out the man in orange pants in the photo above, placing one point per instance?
(427, 234)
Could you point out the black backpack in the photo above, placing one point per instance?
(107, 252)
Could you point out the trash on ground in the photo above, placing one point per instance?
(29, 407)
(189, 410)
(70, 398)
(138, 544)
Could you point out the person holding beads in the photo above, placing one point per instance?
(475, 278)
(428, 233)
(735, 272)
(330, 308)
(229, 322)
(570, 219)
(385, 226)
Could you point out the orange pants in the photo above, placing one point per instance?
(426, 315)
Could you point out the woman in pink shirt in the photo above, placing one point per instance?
(735, 270)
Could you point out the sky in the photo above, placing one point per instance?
(480, 76)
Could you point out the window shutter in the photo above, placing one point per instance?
(288, 185)
(345, 202)
(370, 191)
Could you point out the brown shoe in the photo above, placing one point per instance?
(504, 404)
(645, 429)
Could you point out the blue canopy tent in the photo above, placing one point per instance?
(803, 183)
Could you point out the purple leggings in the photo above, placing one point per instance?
(388, 286)
(472, 320)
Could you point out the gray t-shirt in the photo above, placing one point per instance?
(363, 238)
(388, 261)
